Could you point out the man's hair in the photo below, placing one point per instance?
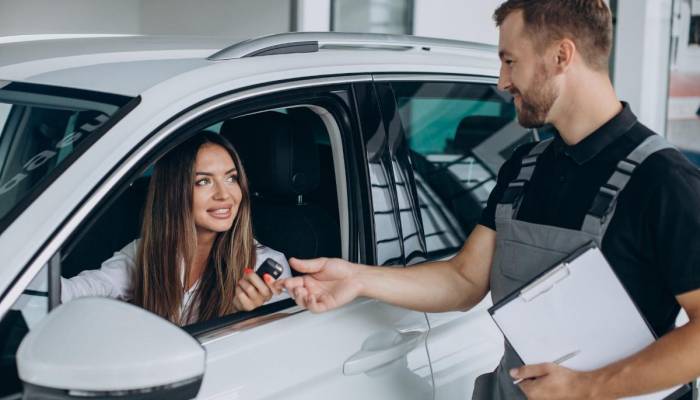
(588, 23)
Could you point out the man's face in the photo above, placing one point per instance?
(524, 73)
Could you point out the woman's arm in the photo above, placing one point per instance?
(113, 279)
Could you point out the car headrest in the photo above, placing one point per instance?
(473, 130)
(278, 152)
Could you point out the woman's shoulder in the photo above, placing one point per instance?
(131, 248)
(264, 252)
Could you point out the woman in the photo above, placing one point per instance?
(195, 256)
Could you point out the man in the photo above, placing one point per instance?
(554, 197)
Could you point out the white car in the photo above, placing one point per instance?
(401, 138)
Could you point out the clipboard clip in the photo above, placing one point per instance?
(545, 283)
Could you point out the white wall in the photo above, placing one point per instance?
(233, 18)
(457, 19)
(69, 16)
(313, 15)
(642, 58)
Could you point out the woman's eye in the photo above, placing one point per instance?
(232, 179)
(202, 182)
(509, 62)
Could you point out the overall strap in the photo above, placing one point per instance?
(508, 207)
(603, 208)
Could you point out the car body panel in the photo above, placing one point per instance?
(135, 64)
(301, 356)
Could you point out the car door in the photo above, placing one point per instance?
(458, 130)
(365, 349)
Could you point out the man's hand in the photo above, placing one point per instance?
(251, 291)
(329, 283)
(552, 381)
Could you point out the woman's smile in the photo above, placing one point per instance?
(221, 212)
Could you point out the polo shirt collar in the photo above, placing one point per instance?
(594, 143)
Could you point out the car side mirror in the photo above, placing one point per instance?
(99, 347)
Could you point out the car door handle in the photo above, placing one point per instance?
(378, 351)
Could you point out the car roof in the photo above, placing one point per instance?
(132, 64)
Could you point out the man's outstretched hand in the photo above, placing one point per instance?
(328, 283)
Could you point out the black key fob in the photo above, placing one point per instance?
(271, 267)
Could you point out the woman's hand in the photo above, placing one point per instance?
(251, 291)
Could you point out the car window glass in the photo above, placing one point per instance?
(386, 227)
(294, 204)
(25, 313)
(459, 135)
(4, 113)
(41, 127)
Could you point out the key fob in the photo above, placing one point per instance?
(270, 266)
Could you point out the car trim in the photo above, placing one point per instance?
(435, 78)
(305, 42)
(131, 160)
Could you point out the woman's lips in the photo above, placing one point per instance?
(220, 213)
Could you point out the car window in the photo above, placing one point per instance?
(293, 197)
(25, 313)
(459, 135)
(41, 128)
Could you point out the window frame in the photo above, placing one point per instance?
(124, 104)
(390, 78)
(303, 92)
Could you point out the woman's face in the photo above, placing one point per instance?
(217, 193)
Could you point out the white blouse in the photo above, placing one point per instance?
(115, 276)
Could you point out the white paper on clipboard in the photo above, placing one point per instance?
(576, 306)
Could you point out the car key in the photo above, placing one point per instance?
(270, 266)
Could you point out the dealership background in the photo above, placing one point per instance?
(655, 65)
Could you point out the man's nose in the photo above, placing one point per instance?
(504, 78)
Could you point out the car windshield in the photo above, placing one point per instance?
(42, 130)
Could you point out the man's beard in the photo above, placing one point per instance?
(537, 101)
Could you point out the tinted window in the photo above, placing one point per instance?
(40, 128)
(459, 135)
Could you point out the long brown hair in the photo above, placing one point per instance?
(169, 240)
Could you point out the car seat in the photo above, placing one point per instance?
(119, 224)
(281, 158)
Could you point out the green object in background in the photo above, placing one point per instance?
(434, 122)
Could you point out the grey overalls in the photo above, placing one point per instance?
(523, 249)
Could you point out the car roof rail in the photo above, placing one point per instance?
(311, 42)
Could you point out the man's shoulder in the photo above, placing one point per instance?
(509, 170)
(666, 165)
(667, 172)
(522, 150)
(519, 152)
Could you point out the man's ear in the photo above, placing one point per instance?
(565, 51)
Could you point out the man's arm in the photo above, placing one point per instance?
(455, 284)
(673, 359)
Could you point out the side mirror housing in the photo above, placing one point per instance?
(100, 347)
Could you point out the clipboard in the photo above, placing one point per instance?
(578, 305)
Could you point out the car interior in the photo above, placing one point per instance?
(287, 156)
